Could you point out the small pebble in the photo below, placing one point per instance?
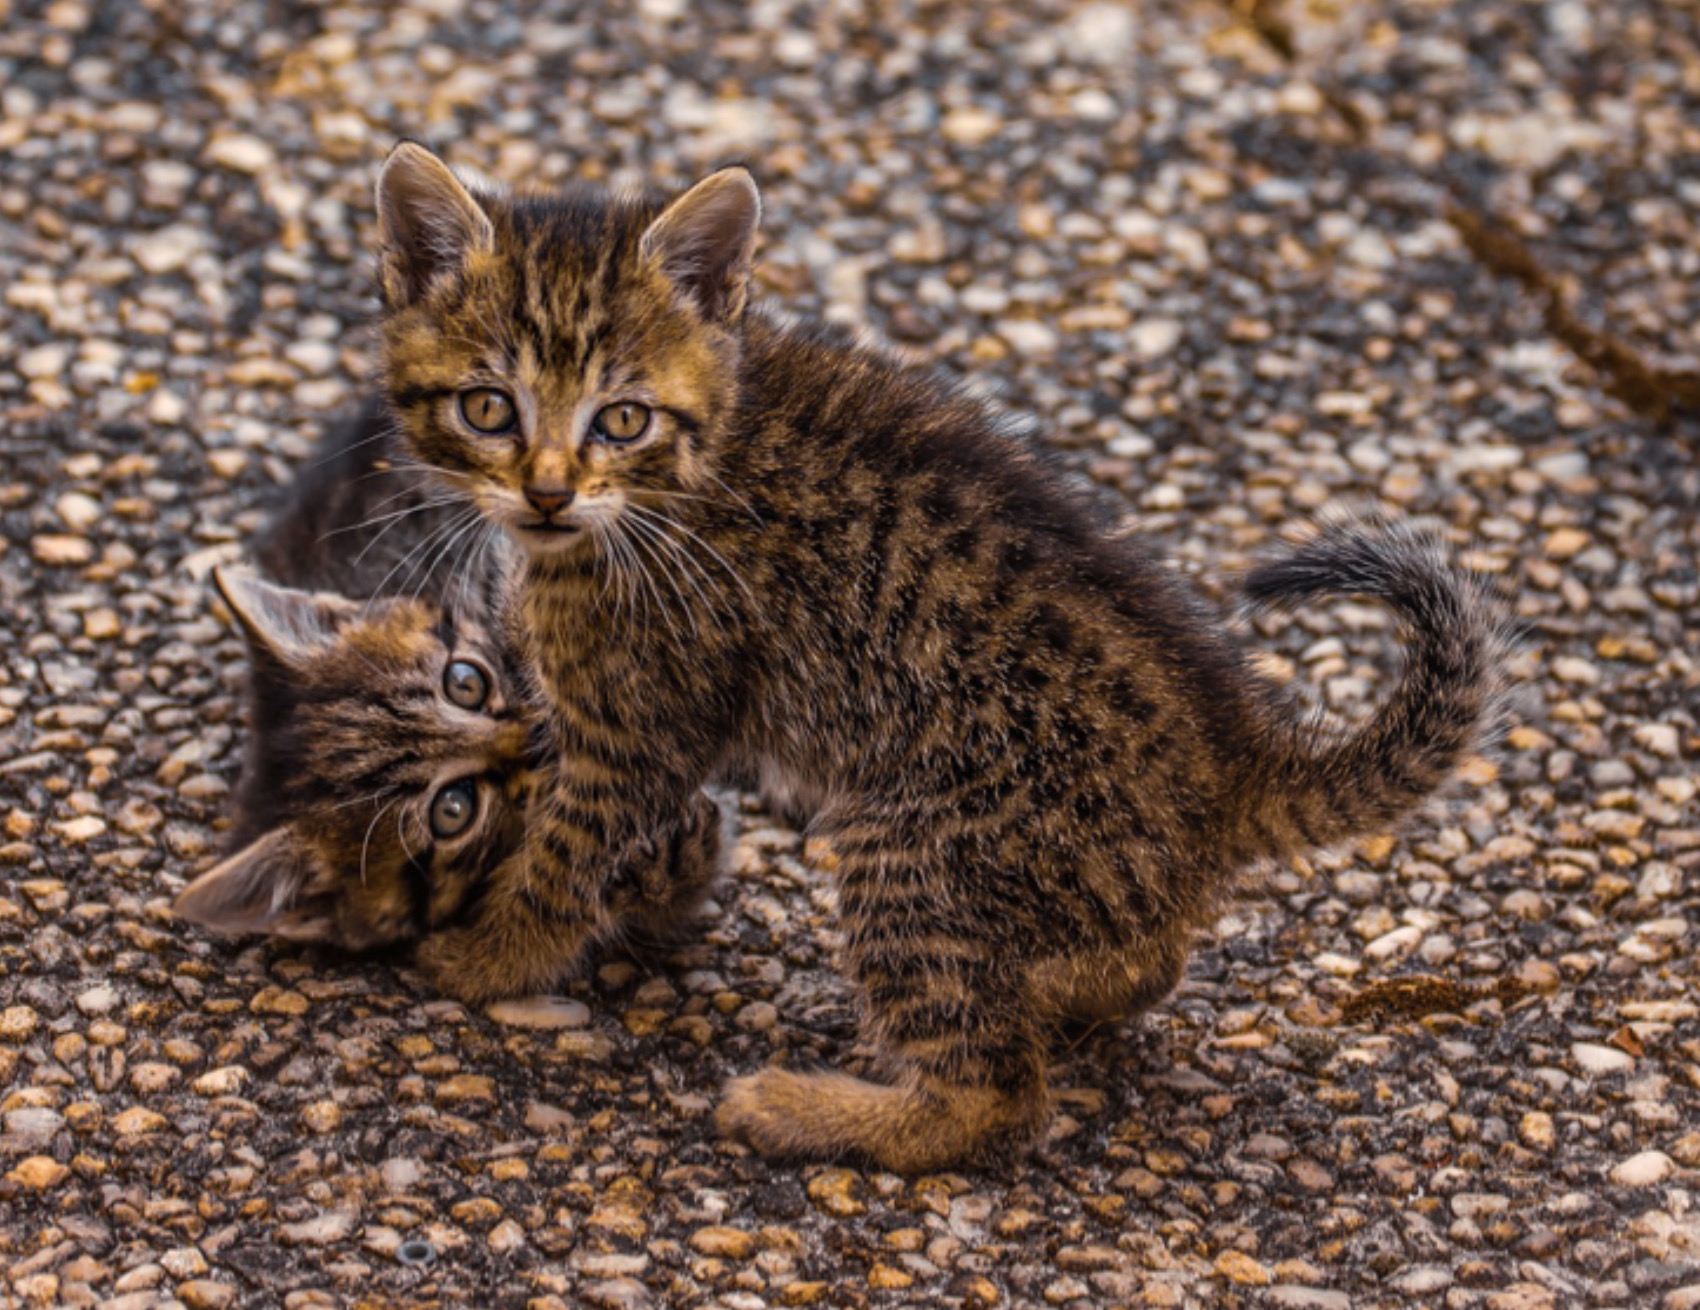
(1643, 1170)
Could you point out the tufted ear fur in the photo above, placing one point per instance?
(262, 888)
(428, 224)
(705, 242)
(288, 625)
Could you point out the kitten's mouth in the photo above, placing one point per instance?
(546, 538)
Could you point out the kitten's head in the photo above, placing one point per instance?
(389, 762)
(565, 360)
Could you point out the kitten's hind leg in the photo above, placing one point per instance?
(971, 1073)
(920, 1125)
(1109, 985)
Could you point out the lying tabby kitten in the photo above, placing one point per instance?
(1045, 766)
(393, 748)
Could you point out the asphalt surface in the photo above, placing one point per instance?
(1239, 262)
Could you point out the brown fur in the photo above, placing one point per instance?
(1044, 765)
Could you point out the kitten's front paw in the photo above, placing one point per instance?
(653, 898)
(458, 962)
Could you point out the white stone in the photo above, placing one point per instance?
(1100, 33)
(166, 182)
(1422, 1279)
(47, 361)
(1566, 466)
(982, 299)
(169, 249)
(1163, 497)
(1188, 246)
(1370, 250)
(184, 1262)
(1153, 338)
(1571, 669)
(1394, 945)
(314, 357)
(541, 1012)
(401, 1173)
(1572, 22)
(505, 1237)
(84, 828)
(32, 1128)
(1025, 336)
(970, 126)
(323, 1230)
(1643, 1170)
(239, 151)
(1368, 456)
(1659, 739)
(1601, 1060)
(1094, 105)
(97, 1000)
(1533, 141)
(1293, 1296)
(1486, 456)
(166, 408)
(79, 512)
(1659, 1011)
(221, 1082)
(1131, 445)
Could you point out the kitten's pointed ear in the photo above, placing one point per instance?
(260, 889)
(705, 241)
(286, 624)
(428, 223)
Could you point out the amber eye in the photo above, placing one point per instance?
(467, 685)
(487, 410)
(621, 424)
(453, 809)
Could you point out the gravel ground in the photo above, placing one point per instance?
(1241, 261)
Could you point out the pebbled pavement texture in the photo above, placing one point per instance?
(1239, 261)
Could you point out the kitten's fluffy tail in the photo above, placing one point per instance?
(1449, 702)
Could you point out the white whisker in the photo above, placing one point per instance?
(392, 516)
(652, 543)
(421, 548)
(657, 516)
(367, 841)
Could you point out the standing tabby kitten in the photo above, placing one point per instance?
(393, 743)
(1044, 766)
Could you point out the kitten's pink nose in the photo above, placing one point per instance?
(548, 501)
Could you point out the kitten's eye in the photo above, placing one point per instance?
(453, 809)
(467, 685)
(487, 410)
(622, 423)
